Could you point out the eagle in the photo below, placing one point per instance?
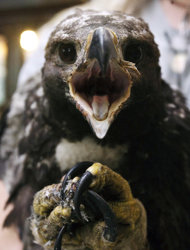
(97, 148)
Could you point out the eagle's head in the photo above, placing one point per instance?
(96, 59)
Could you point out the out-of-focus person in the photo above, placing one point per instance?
(169, 20)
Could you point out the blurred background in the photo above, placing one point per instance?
(23, 40)
(19, 21)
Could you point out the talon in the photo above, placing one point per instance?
(58, 241)
(78, 169)
(83, 185)
(110, 231)
(91, 207)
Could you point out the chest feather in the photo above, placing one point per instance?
(69, 153)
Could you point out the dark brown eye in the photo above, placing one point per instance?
(132, 53)
(67, 52)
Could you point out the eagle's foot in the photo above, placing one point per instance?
(109, 185)
(50, 214)
(86, 219)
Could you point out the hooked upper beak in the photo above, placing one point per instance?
(102, 83)
(102, 48)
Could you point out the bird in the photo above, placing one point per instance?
(100, 105)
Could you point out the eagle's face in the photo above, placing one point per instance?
(95, 59)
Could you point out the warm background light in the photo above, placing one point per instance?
(3, 69)
(29, 40)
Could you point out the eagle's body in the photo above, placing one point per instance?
(148, 143)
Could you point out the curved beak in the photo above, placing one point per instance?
(102, 48)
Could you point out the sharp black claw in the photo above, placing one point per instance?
(78, 169)
(91, 207)
(58, 241)
(83, 185)
(110, 231)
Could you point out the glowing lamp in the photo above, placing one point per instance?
(29, 40)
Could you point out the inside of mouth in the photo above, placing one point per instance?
(99, 92)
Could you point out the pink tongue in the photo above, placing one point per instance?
(100, 107)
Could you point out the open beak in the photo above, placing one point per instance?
(102, 84)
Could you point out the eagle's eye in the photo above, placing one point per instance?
(132, 53)
(67, 52)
